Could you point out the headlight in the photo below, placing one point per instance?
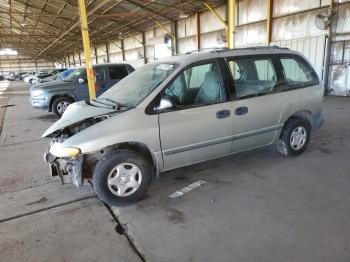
(59, 150)
(37, 92)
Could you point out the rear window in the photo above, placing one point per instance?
(298, 72)
(117, 72)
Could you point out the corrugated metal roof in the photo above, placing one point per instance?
(51, 28)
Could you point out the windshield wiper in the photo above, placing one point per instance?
(115, 102)
(114, 105)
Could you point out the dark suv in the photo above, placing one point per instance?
(58, 95)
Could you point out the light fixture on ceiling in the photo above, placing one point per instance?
(23, 24)
(8, 51)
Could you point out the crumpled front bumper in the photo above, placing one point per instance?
(68, 169)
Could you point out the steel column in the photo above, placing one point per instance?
(269, 21)
(328, 48)
(198, 23)
(87, 51)
(231, 8)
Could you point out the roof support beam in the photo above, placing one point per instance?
(269, 21)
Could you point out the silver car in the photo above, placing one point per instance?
(184, 110)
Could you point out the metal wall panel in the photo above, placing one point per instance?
(312, 48)
(297, 26)
(251, 11)
(131, 43)
(283, 7)
(210, 22)
(187, 44)
(250, 35)
(343, 19)
(134, 58)
(208, 40)
(186, 27)
(19, 64)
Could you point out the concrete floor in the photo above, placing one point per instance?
(255, 206)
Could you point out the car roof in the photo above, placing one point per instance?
(110, 64)
(209, 53)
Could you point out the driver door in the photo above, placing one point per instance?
(200, 124)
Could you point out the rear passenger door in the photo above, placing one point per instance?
(257, 100)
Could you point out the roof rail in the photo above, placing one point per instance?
(262, 47)
(209, 49)
(223, 49)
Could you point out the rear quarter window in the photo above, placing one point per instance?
(298, 72)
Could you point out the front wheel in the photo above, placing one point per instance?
(122, 177)
(295, 137)
(60, 105)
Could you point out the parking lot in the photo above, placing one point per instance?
(254, 206)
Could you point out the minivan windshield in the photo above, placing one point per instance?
(75, 75)
(131, 90)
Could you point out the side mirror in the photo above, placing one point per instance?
(165, 103)
(81, 80)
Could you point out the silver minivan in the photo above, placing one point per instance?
(184, 110)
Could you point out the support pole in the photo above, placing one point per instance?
(87, 51)
(198, 23)
(231, 8)
(269, 22)
(79, 59)
(144, 47)
(123, 50)
(328, 48)
(107, 53)
(229, 24)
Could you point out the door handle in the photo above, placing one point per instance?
(241, 110)
(223, 114)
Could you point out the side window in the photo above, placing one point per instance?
(99, 75)
(298, 73)
(252, 76)
(197, 85)
(117, 72)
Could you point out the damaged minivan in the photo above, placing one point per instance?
(184, 110)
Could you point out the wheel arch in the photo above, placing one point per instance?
(54, 97)
(138, 147)
(304, 114)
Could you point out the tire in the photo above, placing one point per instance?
(295, 137)
(122, 190)
(30, 81)
(60, 104)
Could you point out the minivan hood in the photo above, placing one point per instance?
(76, 113)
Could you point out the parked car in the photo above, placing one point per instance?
(65, 74)
(184, 110)
(54, 76)
(58, 95)
(30, 78)
(13, 76)
(21, 75)
(38, 78)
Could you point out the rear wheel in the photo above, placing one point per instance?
(60, 105)
(295, 137)
(122, 177)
